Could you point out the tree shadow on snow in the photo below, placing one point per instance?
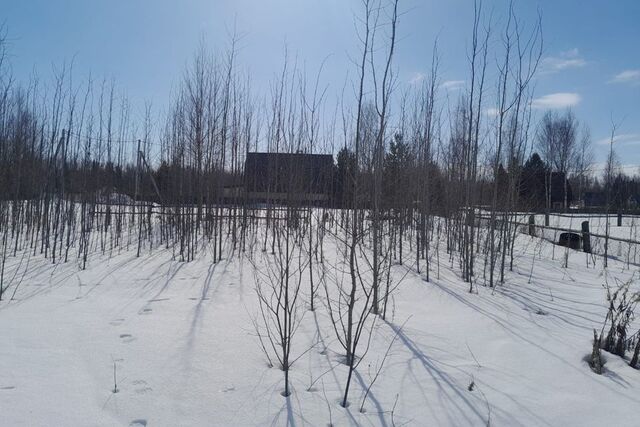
(448, 387)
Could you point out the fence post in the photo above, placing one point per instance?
(586, 240)
(619, 219)
(546, 219)
(532, 225)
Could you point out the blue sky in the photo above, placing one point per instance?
(591, 48)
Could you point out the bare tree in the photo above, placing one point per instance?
(609, 173)
(558, 144)
(583, 161)
(278, 284)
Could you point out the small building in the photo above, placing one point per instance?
(110, 196)
(594, 199)
(634, 201)
(540, 190)
(558, 185)
(289, 177)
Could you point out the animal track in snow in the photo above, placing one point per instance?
(138, 423)
(141, 387)
(127, 337)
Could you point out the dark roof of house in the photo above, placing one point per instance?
(558, 182)
(594, 198)
(290, 156)
(288, 172)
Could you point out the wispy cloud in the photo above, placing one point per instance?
(564, 61)
(626, 139)
(492, 112)
(627, 76)
(416, 78)
(628, 169)
(556, 100)
(453, 84)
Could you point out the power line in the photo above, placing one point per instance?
(117, 141)
(614, 168)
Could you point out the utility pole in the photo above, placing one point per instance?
(135, 201)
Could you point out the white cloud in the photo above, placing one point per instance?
(556, 100)
(492, 112)
(416, 78)
(564, 61)
(453, 84)
(627, 76)
(626, 139)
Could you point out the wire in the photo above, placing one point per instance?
(117, 141)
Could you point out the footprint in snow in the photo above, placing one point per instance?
(127, 337)
(8, 387)
(142, 387)
(138, 423)
(116, 322)
(145, 311)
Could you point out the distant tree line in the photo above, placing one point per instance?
(419, 180)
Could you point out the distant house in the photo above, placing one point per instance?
(594, 199)
(111, 196)
(539, 189)
(288, 177)
(598, 199)
(634, 201)
(557, 188)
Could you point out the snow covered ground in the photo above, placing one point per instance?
(618, 246)
(185, 352)
(621, 250)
